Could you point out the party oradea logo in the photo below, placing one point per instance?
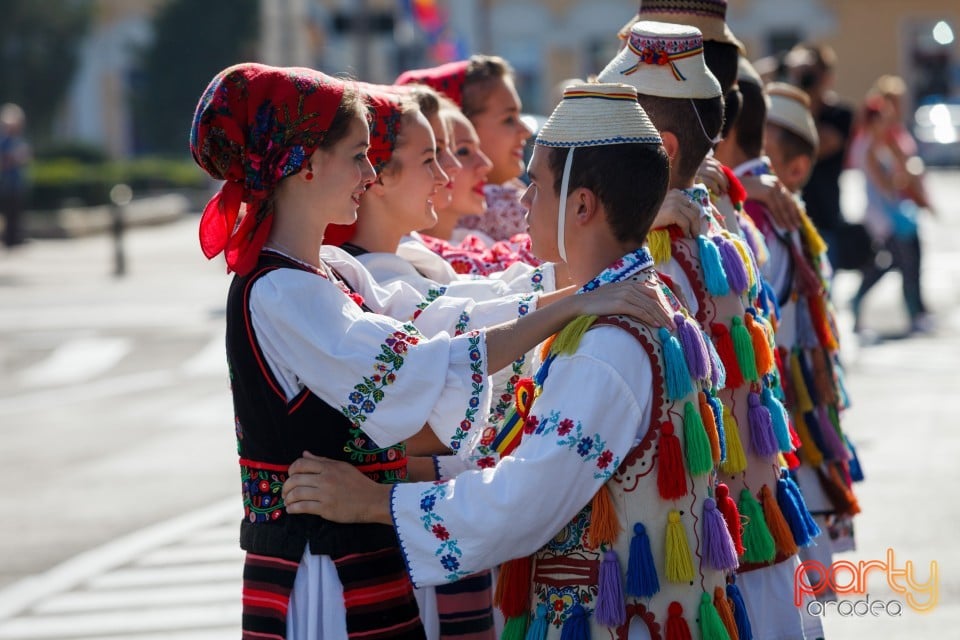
(849, 579)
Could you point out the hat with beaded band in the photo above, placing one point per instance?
(664, 60)
(709, 16)
(593, 115)
(790, 109)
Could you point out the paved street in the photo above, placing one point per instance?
(114, 409)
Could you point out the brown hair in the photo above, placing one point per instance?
(481, 71)
(753, 113)
(682, 118)
(611, 172)
(426, 98)
(352, 105)
(791, 145)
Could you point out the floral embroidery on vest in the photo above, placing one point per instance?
(261, 493)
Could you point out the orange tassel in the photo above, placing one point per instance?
(545, 347)
(512, 594)
(604, 524)
(818, 314)
(710, 426)
(823, 377)
(725, 609)
(777, 524)
(761, 345)
(839, 494)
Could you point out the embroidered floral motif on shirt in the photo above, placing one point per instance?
(463, 322)
(262, 500)
(699, 195)
(448, 551)
(506, 398)
(621, 269)
(570, 435)
(366, 395)
(536, 280)
(432, 295)
(477, 379)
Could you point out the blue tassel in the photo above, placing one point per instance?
(771, 298)
(718, 373)
(778, 415)
(678, 376)
(856, 471)
(694, 349)
(717, 409)
(713, 273)
(791, 513)
(813, 529)
(610, 610)
(539, 627)
(642, 581)
(740, 613)
(736, 272)
(576, 627)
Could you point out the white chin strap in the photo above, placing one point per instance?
(562, 218)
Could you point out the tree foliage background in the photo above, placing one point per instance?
(192, 42)
(39, 42)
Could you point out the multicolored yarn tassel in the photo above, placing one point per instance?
(776, 523)
(604, 523)
(745, 250)
(710, 262)
(515, 628)
(539, 627)
(791, 513)
(718, 373)
(677, 628)
(576, 626)
(512, 595)
(671, 475)
(761, 344)
(737, 276)
(611, 608)
(677, 373)
(696, 441)
(743, 347)
(679, 562)
(811, 237)
(642, 581)
(731, 516)
(717, 410)
(778, 417)
(728, 355)
(710, 426)
(719, 550)
(736, 460)
(694, 349)
(809, 523)
(758, 543)
(725, 608)
(711, 626)
(658, 241)
(763, 442)
(740, 612)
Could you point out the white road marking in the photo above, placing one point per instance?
(77, 360)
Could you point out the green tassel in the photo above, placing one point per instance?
(711, 625)
(743, 346)
(696, 442)
(569, 337)
(515, 628)
(758, 542)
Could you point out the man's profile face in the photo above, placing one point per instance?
(543, 206)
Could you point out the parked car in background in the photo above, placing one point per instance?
(936, 126)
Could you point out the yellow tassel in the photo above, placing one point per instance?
(736, 461)
(658, 241)
(804, 402)
(679, 563)
(744, 252)
(569, 337)
(761, 344)
(604, 524)
(777, 524)
(811, 237)
(808, 448)
(710, 425)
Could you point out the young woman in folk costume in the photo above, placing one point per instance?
(717, 275)
(609, 484)
(312, 367)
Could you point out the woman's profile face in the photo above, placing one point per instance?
(467, 194)
(413, 177)
(342, 174)
(502, 133)
(448, 162)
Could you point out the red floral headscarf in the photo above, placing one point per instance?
(447, 79)
(254, 126)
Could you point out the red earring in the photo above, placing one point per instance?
(309, 176)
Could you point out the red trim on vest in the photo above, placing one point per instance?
(265, 466)
(247, 320)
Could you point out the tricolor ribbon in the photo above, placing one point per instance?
(648, 55)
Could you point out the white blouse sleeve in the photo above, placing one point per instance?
(593, 408)
(384, 375)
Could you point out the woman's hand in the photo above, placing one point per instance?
(711, 174)
(336, 491)
(779, 201)
(679, 209)
(638, 297)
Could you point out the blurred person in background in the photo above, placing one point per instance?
(15, 155)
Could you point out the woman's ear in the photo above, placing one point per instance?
(376, 187)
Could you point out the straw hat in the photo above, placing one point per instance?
(709, 16)
(664, 60)
(790, 109)
(591, 115)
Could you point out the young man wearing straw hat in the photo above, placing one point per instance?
(718, 275)
(599, 488)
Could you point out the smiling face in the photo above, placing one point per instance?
(413, 176)
(341, 174)
(502, 133)
(543, 206)
(447, 161)
(467, 194)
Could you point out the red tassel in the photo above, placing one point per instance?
(728, 507)
(677, 628)
(671, 475)
(728, 355)
(512, 594)
(710, 426)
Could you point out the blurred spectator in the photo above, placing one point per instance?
(14, 157)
